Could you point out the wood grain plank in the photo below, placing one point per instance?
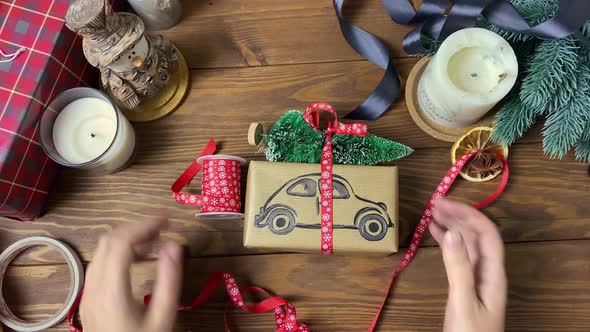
(234, 33)
(544, 201)
(549, 289)
(222, 103)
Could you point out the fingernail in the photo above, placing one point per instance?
(173, 251)
(453, 240)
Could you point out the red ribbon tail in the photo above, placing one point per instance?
(441, 191)
(236, 296)
(193, 169)
(501, 187)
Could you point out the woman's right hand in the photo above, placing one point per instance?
(473, 254)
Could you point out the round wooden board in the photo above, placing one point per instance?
(166, 101)
(423, 121)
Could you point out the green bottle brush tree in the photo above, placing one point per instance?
(292, 139)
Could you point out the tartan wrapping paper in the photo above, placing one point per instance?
(52, 62)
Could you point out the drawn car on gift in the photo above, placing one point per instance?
(299, 200)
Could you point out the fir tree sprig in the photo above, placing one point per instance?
(292, 139)
(565, 126)
(512, 120)
(583, 150)
(583, 145)
(550, 75)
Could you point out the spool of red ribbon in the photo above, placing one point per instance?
(221, 194)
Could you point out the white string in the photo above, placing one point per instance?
(12, 56)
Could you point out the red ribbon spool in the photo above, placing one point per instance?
(221, 193)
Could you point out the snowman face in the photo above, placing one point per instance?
(125, 62)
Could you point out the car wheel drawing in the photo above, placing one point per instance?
(372, 227)
(281, 221)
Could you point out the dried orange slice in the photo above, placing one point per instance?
(485, 165)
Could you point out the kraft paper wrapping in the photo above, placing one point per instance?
(283, 210)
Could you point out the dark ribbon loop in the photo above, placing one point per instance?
(373, 49)
(431, 21)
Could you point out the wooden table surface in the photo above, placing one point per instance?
(252, 60)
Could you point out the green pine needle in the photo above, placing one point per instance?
(565, 127)
(583, 145)
(583, 151)
(550, 75)
(512, 121)
(568, 123)
(586, 50)
(291, 139)
(368, 150)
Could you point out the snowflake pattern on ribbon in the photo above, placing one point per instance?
(220, 191)
(285, 315)
(311, 116)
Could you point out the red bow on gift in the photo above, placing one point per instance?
(357, 129)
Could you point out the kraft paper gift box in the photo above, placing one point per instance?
(282, 209)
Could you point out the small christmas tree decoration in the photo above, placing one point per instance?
(292, 139)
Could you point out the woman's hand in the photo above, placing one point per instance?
(108, 304)
(473, 253)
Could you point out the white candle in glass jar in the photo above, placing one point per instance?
(471, 72)
(91, 130)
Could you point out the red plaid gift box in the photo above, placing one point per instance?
(51, 62)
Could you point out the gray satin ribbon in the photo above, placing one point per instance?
(431, 22)
(373, 49)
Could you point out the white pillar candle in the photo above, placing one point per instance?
(91, 130)
(471, 72)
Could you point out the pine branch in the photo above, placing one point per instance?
(586, 50)
(583, 145)
(565, 127)
(512, 121)
(586, 134)
(583, 151)
(568, 123)
(550, 76)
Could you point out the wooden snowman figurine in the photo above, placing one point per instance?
(134, 65)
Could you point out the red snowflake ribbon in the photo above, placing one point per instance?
(422, 226)
(326, 187)
(72, 314)
(220, 186)
(285, 313)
